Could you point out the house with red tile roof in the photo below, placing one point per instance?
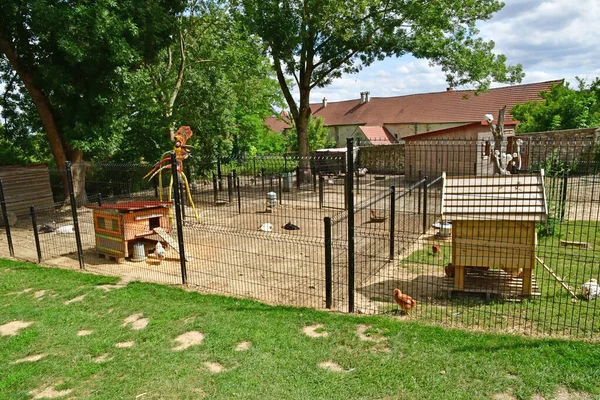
(279, 123)
(386, 120)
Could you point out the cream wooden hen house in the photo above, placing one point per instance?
(493, 231)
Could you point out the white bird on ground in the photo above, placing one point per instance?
(590, 289)
(160, 251)
(65, 229)
(266, 227)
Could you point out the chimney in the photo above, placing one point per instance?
(449, 88)
(362, 97)
(367, 97)
(324, 102)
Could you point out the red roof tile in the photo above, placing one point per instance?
(378, 135)
(278, 124)
(450, 106)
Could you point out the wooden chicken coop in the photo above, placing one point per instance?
(493, 231)
(119, 226)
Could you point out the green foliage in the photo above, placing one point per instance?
(226, 92)
(78, 55)
(555, 170)
(318, 41)
(318, 136)
(562, 108)
(17, 149)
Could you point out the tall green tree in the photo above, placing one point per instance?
(562, 107)
(318, 136)
(211, 77)
(315, 41)
(67, 60)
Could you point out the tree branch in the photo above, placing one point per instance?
(178, 83)
(285, 89)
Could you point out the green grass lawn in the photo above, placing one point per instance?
(410, 361)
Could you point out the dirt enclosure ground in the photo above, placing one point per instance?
(229, 254)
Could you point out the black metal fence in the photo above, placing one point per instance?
(329, 232)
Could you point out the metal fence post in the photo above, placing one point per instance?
(182, 199)
(215, 189)
(425, 205)
(321, 191)
(219, 175)
(346, 191)
(392, 220)
(234, 176)
(229, 186)
(298, 177)
(179, 219)
(36, 234)
(262, 176)
(419, 196)
(350, 207)
(6, 224)
(328, 274)
(99, 199)
(238, 195)
(74, 212)
(563, 200)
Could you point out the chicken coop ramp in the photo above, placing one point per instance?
(171, 242)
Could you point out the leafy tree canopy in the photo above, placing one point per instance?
(67, 61)
(562, 108)
(213, 78)
(315, 41)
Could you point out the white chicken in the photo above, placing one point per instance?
(590, 289)
(266, 227)
(65, 229)
(160, 251)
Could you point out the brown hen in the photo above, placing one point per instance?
(404, 301)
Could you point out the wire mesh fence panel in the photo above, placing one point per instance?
(494, 266)
(470, 232)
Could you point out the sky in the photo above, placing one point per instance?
(555, 39)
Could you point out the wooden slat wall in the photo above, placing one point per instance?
(26, 186)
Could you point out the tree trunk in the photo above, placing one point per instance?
(304, 113)
(78, 170)
(57, 145)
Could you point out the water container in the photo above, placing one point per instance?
(271, 200)
(139, 253)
